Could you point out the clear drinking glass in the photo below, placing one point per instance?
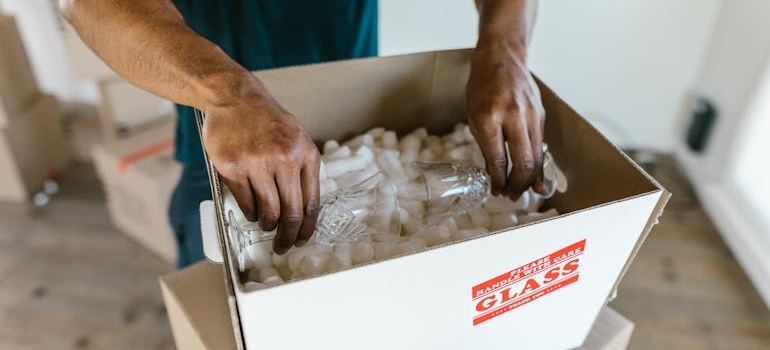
(351, 213)
(456, 188)
(346, 215)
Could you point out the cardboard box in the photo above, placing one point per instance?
(18, 87)
(32, 149)
(200, 319)
(126, 109)
(139, 175)
(493, 292)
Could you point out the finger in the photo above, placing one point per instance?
(311, 194)
(490, 139)
(536, 139)
(266, 198)
(292, 214)
(241, 190)
(522, 160)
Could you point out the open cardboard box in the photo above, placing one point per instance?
(535, 286)
(199, 316)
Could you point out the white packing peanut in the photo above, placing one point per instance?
(535, 201)
(421, 133)
(296, 275)
(383, 250)
(463, 222)
(468, 135)
(500, 204)
(360, 140)
(259, 253)
(273, 281)
(433, 143)
(295, 257)
(410, 148)
(435, 235)
(523, 202)
(312, 264)
(335, 264)
(253, 275)
(281, 263)
(426, 155)
(480, 218)
(322, 171)
(410, 246)
(502, 220)
(412, 226)
(252, 286)
(414, 207)
(339, 153)
(366, 153)
(458, 135)
(356, 177)
(477, 157)
(390, 165)
(535, 216)
(268, 272)
(339, 166)
(403, 215)
(328, 186)
(330, 146)
(451, 224)
(413, 191)
(376, 132)
(467, 234)
(362, 252)
(460, 153)
(390, 140)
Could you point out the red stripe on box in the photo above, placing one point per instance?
(126, 161)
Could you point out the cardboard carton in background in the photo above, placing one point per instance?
(126, 109)
(32, 148)
(447, 297)
(139, 175)
(18, 87)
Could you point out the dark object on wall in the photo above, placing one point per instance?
(703, 116)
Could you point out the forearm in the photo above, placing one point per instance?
(508, 22)
(148, 43)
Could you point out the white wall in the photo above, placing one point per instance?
(626, 65)
(732, 188)
(40, 29)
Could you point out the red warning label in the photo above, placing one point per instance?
(526, 283)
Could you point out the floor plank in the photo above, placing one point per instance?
(685, 290)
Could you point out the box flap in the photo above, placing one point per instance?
(197, 308)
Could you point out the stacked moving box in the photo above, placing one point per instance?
(135, 163)
(32, 145)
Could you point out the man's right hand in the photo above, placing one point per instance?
(269, 163)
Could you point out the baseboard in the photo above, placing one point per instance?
(745, 239)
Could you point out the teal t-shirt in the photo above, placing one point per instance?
(261, 34)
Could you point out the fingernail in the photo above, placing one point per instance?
(300, 243)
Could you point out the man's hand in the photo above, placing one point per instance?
(504, 105)
(269, 163)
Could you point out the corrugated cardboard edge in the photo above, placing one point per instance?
(226, 266)
(190, 308)
(611, 331)
(659, 207)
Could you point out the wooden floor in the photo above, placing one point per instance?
(685, 290)
(70, 280)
